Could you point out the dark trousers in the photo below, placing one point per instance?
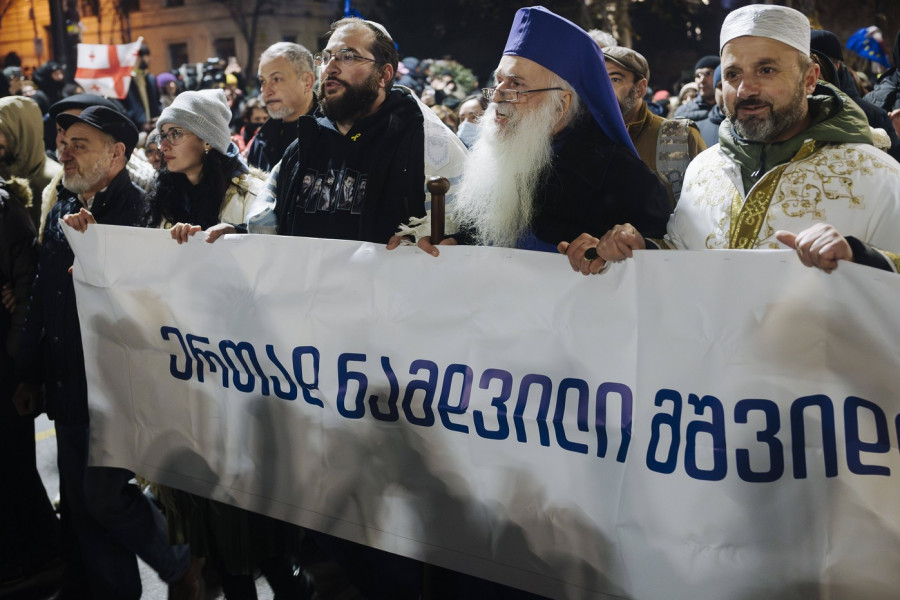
(29, 528)
(108, 522)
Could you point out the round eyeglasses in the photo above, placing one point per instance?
(512, 96)
(344, 57)
(173, 136)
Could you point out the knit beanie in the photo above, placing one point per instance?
(204, 113)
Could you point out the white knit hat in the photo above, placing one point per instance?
(766, 20)
(204, 113)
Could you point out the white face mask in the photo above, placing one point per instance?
(468, 133)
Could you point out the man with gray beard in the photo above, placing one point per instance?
(106, 521)
(286, 82)
(553, 159)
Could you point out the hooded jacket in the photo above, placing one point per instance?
(18, 264)
(49, 90)
(23, 126)
(875, 115)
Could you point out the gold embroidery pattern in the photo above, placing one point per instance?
(748, 221)
(706, 177)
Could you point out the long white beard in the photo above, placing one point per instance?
(502, 173)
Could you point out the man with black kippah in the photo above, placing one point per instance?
(106, 521)
(698, 108)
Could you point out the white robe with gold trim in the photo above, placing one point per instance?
(853, 187)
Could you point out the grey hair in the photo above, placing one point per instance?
(602, 38)
(299, 57)
(577, 106)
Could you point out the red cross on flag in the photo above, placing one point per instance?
(106, 70)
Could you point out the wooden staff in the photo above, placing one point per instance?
(437, 187)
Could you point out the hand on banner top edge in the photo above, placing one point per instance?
(79, 221)
(819, 246)
(181, 231)
(424, 243)
(589, 255)
(217, 231)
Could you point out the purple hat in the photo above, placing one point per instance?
(163, 78)
(566, 49)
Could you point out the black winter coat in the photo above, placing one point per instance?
(50, 350)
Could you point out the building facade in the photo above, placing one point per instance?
(176, 31)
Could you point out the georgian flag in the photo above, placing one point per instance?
(105, 70)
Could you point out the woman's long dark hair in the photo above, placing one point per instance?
(174, 199)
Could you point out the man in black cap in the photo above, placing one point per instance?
(698, 108)
(106, 521)
(139, 169)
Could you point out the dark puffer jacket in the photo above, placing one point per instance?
(886, 94)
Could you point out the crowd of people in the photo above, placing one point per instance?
(567, 151)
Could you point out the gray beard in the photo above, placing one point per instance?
(79, 184)
(502, 173)
(767, 129)
(630, 102)
(280, 113)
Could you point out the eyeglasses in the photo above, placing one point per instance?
(344, 57)
(512, 96)
(174, 136)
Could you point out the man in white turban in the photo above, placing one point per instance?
(794, 165)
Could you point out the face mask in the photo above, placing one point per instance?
(468, 133)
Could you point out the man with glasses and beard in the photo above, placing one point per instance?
(794, 165)
(365, 127)
(665, 145)
(553, 158)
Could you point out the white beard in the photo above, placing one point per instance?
(79, 183)
(502, 173)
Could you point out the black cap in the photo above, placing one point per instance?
(81, 101)
(826, 43)
(108, 121)
(707, 62)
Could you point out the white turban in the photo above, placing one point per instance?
(764, 20)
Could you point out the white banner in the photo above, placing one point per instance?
(694, 425)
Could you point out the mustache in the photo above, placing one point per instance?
(751, 103)
(333, 78)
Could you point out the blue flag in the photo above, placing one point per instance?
(349, 11)
(863, 44)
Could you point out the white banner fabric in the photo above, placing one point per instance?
(698, 425)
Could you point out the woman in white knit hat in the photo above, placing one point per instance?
(205, 181)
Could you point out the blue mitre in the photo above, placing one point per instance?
(566, 49)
